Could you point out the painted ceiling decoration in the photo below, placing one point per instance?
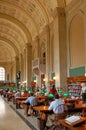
(21, 21)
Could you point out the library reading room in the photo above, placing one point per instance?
(42, 65)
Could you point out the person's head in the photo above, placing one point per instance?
(31, 94)
(56, 96)
(53, 86)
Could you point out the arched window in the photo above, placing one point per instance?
(2, 74)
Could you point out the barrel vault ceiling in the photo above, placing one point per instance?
(21, 21)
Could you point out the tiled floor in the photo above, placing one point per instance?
(14, 119)
(9, 119)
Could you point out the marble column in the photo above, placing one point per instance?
(60, 49)
(20, 65)
(48, 74)
(37, 41)
(24, 60)
(16, 69)
(28, 64)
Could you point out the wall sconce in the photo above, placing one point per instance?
(44, 79)
(54, 78)
(25, 82)
(19, 82)
(35, 81)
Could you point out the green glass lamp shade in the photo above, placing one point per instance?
(31, 91)
(65, 95)
(69, 91)
(50, 96)
(23, 90)
(60, 92)
(42, 92)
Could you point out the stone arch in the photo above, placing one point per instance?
(77, 44)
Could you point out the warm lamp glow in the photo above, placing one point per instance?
(25, 82)
(44, 79)
(54, 78)
(19, 82)
(35, 81)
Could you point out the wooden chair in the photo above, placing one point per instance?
(84, 112)
(55, 124)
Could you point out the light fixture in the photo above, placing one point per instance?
(54, 78)
(19, 82)
(35, 81)
(25, 82)
(44, 79)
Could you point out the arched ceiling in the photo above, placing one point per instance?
(21, 21)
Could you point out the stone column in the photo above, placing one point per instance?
(16, 69)
(84, 17)
(28, 64)
(51, 47)
(20, 65)
(60, 50)
(48, 74)
(24, 60)
(37, 40)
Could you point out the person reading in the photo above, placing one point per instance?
(58, 107)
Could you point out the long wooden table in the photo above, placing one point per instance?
(41, 108)
(18, 100)
(73, 126)
(43, 113)
(80, 106)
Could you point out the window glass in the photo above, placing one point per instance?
(2, 74)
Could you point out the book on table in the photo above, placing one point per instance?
(74, 120)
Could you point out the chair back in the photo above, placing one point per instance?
(84, 112)
(60, 116)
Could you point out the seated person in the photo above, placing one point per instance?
(31, 101)
(83, 92)
(54, 105)
(17, 94)
(58, 107)
(52, 90)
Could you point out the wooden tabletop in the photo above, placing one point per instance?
(41, 97)
(79, 128)
(72, 125)
(21, 98)
(41, 108)
(80, 106)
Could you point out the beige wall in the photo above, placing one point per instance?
(76, 45)
(77, 41)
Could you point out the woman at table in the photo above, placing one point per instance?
(52, 90)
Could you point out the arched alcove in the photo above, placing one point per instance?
(2, 73)
(77, 43)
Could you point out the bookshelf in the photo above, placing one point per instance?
(74, 89)
(74, 85)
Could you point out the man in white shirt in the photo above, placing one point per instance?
(30, 101)
(58, 106)
(17, 94)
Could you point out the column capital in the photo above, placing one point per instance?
(58, 12)
(27, 45)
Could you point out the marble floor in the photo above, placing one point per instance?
(9, 119)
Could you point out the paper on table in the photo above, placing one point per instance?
(72, 119)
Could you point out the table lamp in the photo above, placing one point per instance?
(51, 96)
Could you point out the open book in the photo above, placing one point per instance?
(72, 119)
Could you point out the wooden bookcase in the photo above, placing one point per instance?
(74, 85)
